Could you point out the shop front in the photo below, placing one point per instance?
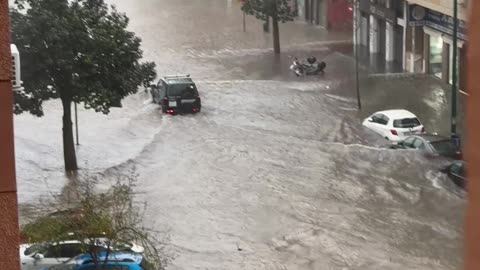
(437, 29)
(316, 12)
(381, 19)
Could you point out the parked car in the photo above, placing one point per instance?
(394, 125)
(431, 144)
(457, 172)
(38, 256)
(111, 266)
(133, 260)
(177, 94)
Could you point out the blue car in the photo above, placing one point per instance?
(121, 258)
(111, 266)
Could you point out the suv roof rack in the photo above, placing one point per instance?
(176, 76)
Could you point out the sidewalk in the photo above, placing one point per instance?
(373, 64)
(424, 95)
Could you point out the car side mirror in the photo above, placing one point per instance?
(370, 119)
(38, 256)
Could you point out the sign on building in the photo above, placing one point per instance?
(420, 16)
(16, 74)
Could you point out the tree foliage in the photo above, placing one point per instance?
(264, 9)
(112, 214)
(76, 50)
(278, 10)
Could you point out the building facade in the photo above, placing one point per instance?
(329, 14)
(380, 28)
(429, 39)
(414, 34)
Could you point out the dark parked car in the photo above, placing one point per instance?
(457, 172)
(177, 94)
(431, 144)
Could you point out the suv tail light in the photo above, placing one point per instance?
(394, 132)
(199, 99)
(164, 101)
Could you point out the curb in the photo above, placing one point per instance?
(400, 75)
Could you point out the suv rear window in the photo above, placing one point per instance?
(406, 123)
(188, 90)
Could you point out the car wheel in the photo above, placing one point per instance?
(387, 138)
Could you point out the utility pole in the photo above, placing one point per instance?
(10, 235)
(454, 71)
(355, 51)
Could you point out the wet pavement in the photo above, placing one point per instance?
(276, 172)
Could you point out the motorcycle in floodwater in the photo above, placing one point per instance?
(312, 68)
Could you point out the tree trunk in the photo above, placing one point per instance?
(69, 155)
(276, 35)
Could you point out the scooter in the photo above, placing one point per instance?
(312, 68)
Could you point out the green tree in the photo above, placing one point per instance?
(278, 10)
(109, 220)
(78, 51)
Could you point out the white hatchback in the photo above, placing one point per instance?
(394, 125)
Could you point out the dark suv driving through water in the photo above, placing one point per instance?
(177, 94)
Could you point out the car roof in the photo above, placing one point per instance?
(178, 80)
(432, 137)
(397, 114)
(112, 255)
(127, 264)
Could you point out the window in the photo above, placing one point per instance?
(162, 89)
(52, 251)
(457, 169)
(385, 120)
(380, 119)
(406, 123)
(35, 249)
(445, 147)
(181, 89)
(70, 250)
(408, 142)
(418, 144)
(399, 7)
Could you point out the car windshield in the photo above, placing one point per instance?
(34, 249)
(182, 90)
(406, 123)
(445, 147)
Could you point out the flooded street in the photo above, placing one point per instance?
(276, 172)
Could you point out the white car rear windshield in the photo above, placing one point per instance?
(406, 123)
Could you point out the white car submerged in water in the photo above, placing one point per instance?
(394, 125)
